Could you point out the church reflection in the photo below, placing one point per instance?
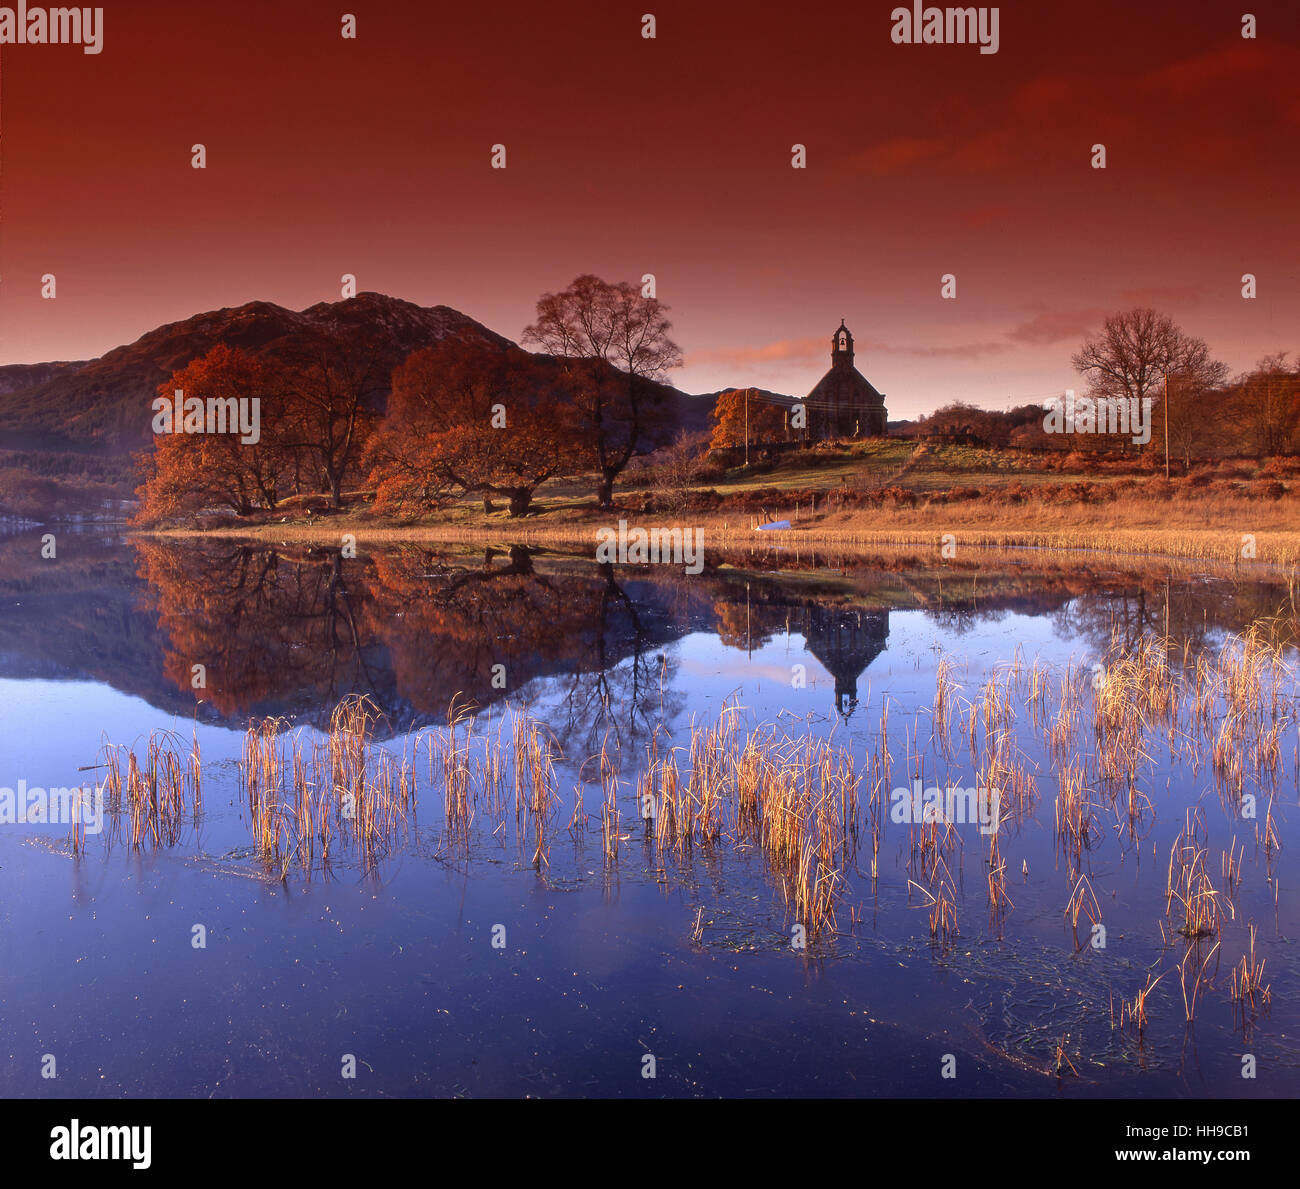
(845, 640)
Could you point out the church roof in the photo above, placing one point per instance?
(835, 382)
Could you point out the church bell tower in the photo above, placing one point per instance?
(842, 348)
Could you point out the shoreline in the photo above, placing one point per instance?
(1273, 548)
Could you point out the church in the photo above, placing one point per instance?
(843, 403)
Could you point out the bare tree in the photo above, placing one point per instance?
(1266, 403)
(1134, 353)
(336, 382)
(1197, 407)
(597, 331)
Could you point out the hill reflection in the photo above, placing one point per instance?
(427, 631)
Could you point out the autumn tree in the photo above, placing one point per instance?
(189, 471)
(743, 415)
(469, 417)
(612, 343)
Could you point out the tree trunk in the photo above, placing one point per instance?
(520, 498)
(605, 492)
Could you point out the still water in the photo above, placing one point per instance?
(193, 966)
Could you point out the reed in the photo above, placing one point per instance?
(941, 900)
(999, 901)
(1075, 823)
(1190, 999)
(945, 690)
(1133, 1013)
(1082, 902)
(1247, 986)
(1193, 904)
(1062, 1060)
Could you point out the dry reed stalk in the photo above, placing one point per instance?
(1083, 901)
(945, 690)
(1075, 823)
(999, 901)
(1188, 884)
(1134, 1012)
(1189, 1001)
(1248, 986)
(942, 903)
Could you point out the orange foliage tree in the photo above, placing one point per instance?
(190, 471)
(467, 417)
(766, 420)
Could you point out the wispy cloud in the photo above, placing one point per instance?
(898, 153)
(945, 351)
(814, 351)
(1054, 326)
(1216, 107)
(800, 351)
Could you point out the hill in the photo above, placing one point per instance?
(102, 406)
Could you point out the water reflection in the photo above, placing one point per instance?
(427, 632)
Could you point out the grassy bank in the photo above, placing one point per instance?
(1166, 531)
(860, 497)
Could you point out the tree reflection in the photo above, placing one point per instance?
(427, 633)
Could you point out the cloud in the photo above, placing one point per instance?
(1210, 110)
(1054, 326)
(898, 153)
(1044, 328)
(953, 351)
(816, 351)
(799, 351)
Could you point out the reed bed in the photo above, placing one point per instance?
(803, 802)
(795, 799)
(151, 803)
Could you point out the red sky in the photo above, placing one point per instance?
(671, 156)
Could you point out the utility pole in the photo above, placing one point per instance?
(1165, 402)
(747, 427)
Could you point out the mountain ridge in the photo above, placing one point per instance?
(102, 405)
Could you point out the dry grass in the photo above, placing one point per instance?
(1185, 526)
